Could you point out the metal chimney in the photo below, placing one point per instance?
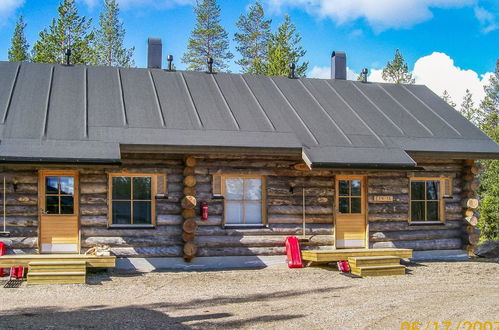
(339, 65)
(154, 53)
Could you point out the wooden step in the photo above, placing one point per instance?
(57, 266)
(56, 277)
(373, 261)
(378, 270)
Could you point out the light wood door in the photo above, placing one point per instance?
(350, 212)
(59, 228)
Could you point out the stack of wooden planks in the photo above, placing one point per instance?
(376, 266)
(57, 272)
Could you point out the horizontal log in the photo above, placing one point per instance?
(241, 251)
(22, 221)
(131, 241)
(401, 226)
(19, 242)
(18, 231)
(388, 208)
(93, 199)
(273, 229)
(308, 182)
(388, 217)
(109, 232)
(213, 220)
(93, 209)
(420, 245)
(309, 210)
(157, 251)
(21, 210)
(258, 241)
(93, 178)
(168, 219)
(93, 220)
(297, 191)
(411, 235)
(297, 200)
(93, 188)
(296, 218)
(168, 208)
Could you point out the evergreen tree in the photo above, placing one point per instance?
(19, 47)
(446, 97)
(109, 38)
(489, 191)
(69, 30)
(208, 39)
(284, 49)
(397, 71)
(468, 107)
(253, 39)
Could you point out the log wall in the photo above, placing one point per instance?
(388, 225)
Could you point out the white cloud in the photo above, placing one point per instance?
(7, 8)
(324, 72)
(437, 71)
(487, 20)
(380, 14)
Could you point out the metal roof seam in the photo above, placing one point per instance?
(11, 93)
(85, 100)
(429, 108)
(157, 101)
(225, 102)
(294, 111)
(325, 112)
(378, 108)
(405, 109)
(193, 104)
(122, 98)
(258, 103)
(47, 102)
(355, 112)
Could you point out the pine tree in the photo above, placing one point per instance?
(489, 190)
(446, 97)
(208, 39)
(67, 30)
(284, 49)
(19, 47)
(253, 39)
(468, 107)
(397, 71)
(109, 38)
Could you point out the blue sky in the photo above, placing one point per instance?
(450, 44)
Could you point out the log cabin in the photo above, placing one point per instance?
(179, 165)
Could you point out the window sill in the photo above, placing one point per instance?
(420, 223)
(258, 226)
(131, 227)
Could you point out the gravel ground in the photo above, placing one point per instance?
(276, 298)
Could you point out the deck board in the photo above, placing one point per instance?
(343, 254)
(92, 261)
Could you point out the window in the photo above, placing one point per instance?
(427, 199)
(243, 200)
(59, 194)
(350, 196)
(132, 199)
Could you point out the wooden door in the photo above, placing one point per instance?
(59, 228)
(350, 212)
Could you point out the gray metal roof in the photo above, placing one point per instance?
(51, 112)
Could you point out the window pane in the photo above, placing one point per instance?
(142, 188)
(356, 205)
(67, 185)
(432, 190)
(234, 212)
(52, 204)
(67, 205)
(51, 185)
(253, 212)
(355, 187)
(344, 205)
(234, 188)
(433, 211)
(142, 213)
(253, 189)
(121, 187)
(417, 211)
(343, 187)
(121, 213)
(417, 190)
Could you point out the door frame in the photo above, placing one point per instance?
(364, 206)
(41, 204)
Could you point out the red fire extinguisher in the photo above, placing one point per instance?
(204, 211)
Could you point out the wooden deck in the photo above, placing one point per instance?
(91, 261)
(324, 256)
